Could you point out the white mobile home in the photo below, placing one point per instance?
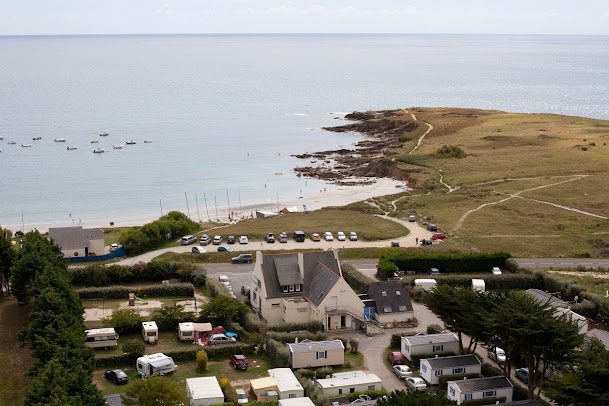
(349, 382)
(425, 284)
(296, 402)
(155, 365)
(150, 332)
(432, 369)
(287, 384)
(204, 391)
(311, 354)
(493, 388)
(101, 337)
(429, 344)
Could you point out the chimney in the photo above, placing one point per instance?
(296, 340)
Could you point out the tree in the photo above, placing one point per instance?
(583, 382)
(168, 317)
(155, 391)
(6, 261)
(124, 321)
(134, 348)
(222, 309)
(202, 360)
(401, 398)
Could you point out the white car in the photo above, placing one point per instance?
(113, 247)
(498, 355)
(340, 236)
(243, 239)
(220, 339)
(416, 384)
(352, 236)
(402, 371)
(412, 218)
(328, 236)
(217, 240)
(198, 250)
(224, 280)
(496, 270)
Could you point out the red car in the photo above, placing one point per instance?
(438, 236)
(396, 358)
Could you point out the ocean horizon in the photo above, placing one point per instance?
(224, 112)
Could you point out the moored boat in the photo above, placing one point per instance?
(59, 140)
(26, 145)
(130, 142)
(103, 134)
(94, 141)
(98, 151)
(71, 148)
(117, 146)
(37, 138)
(11, 142)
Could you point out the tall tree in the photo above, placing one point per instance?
(155, 391)
(401, 398)
(6, 261)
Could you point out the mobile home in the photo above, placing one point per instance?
(311, 354)
(155, 365)
(101, 338)
(429, 344)
(287, 384)
(493, 388)
(204, 391)
(349, 382)
(265, 388)
(150, 332)
(193, 331)
(296, 402)
(479, 285)
(432, 369)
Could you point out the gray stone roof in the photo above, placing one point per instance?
(480, 384)
(321, 279)
(432, 339)
(74, 237)
(451, 362)
(390, 297)
(601, 335)
(545, 297)
(314, 346)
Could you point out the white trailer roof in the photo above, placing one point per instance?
(149, 325)
(296, 402)
(204, 388)
(285, 379)
(103, 331)
(356, 379)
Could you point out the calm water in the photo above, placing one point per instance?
(225, 112)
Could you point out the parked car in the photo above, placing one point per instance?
(243, 259)
(522, 374)
(412, 218)
(340, 236)
(432, 227)
(402, 371)
(496, 271)
(395, 243)
(426, 241)
(434, 271)
(205, 239)
(113, 247)
(315, 237)
(328, 236)
(231, 239)
(396, 358)
(217, 239)
(224, 280)
(188, 239)
(242, 398)
(299, 236)
(222, 248)
(238, 362)
(283, 237)
(220, 339)
(270, 238)
(498, 355)
(198, 250)
(352, 236)
(116, 376)
(416, 384)
(439, 236)
(243, 239)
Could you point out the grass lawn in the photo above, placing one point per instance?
(168, 341)
(16, 360)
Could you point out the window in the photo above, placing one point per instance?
(438, 372)
(452, 390)
(298, 288)
(275, 305)
(438, 348)
(403, 308)
(340, 391)
(291, 288)
(398, 293)
(291, 395)
(285, 289)
(458, 371)
(489, 394)
(424, 367)
(387, 309)
(351, 390)
(371, 387)
(468, 396)
(383, 293)
(322, 354)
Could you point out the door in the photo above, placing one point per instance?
(343, 321)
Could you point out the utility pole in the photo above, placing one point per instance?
(198, 214)
(228, 202)
(206, 209)
(216, 202)
(161, 204)
(187, 207)
(240, 208)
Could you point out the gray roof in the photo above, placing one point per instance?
(480, 384)
(391, 301)
(74, 237)
(93, 233)
(314, 346)
(545, 297)
(113, 400)
(288, 272)
(432, 338)
(528, 402)
(455, 361)
(601, 335)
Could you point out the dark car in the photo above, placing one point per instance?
(395, 243)
(522, 374)
(426, 241)
(299, 236)
(238, 362)
(243, 259)
(432, 227)
(433, 271)
(117, 376)
(270, 238)
(231, 239)
(222, 248)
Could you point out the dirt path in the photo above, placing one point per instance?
(420, 141)
(446, 185)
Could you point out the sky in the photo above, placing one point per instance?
(55, 17)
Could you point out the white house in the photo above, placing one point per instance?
(349, 382)
(492, 388)
(78, 241)
(432, 369)
(392, 301)
(287, 384)
(429, 344)
(303, 287)
(204, 391)
(296, 402)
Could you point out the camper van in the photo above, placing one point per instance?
(150, 332)
(157, 364)
(101, 338)
(188, 239)
(425, 284)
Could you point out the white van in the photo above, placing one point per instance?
(101, 338)
(188, 239)
(425, 284)
(157, 364)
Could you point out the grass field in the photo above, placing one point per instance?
(16, 361)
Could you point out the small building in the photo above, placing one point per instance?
(265, 388)
(429, 344)
(432, 369)
(287, 384)
(546, 297)
(204, 391)
(150, 332)
(580, 321)
(601, 335)
(392, 301)
(189, 331)
(562, 308)
(349, 382)
(479, 285)
(494, 388)
(296, 402)
(77, 241)
(311, 354)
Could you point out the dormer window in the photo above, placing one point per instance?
(398, 293)
(383, 293)
(285, 289)
(298, 288)
(291, 288)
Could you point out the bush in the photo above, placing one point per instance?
(122, 292)
(168, 317)
(396, 339)
(264, 403)
(450, 151)
(456, 377)
(202, 361)
(374, 394)
(310, 326)
(386, 269)
(134, 349)
(313, 392)
(251, 322)
(434, 329)
(230, 394)
(222, 310)
(358, 281)
(490, 370)
(124, 321)
(354, 344)
(278, 353)
(291, 337)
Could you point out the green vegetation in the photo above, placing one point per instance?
(6, 261)
(155, 391)
(412, 398)
(358, 282)
(450, 151)
(122, 292)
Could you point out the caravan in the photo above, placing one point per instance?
(101, 338)
(150, 332)
(155, 365)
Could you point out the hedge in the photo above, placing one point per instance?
(445, 262)
(263, 403)
(485, 401)
(310, 326)
(291, 337)
(122, 292)
(490, 370)
(456, 377)
(492, 282)
(358, 281)
(374, 394)
(278, 353)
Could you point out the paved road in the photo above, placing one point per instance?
(562, 262)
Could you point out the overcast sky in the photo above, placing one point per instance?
(28, 17)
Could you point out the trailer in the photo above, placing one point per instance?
(150, 332)
(157, 364)
(101, 338)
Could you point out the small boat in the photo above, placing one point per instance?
(117, 146)
(103, 134)
(1, 137)
(98, 151)
(72, 148)
(59, 140)
(11, 142)
(94, 141)
(130, 142)
(37, 138)
(147, 141)
(26, 145)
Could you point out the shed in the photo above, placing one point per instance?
(432, 369)
(287, 384)
(310, 354)
(479, 285)
(429, 344)
(492, 388)
(349, 382)
(296, 402)
(262, 386)
(204, 391)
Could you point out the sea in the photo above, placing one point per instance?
(225, 112)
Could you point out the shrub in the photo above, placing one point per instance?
(202, 361)
(354, 344)
(230, 394)
(124, 321)
(490, 370)
(122, 292)
(358, 281)
(434, 329)
(168, 317)
(278, 353)
(251, 322)
(264, 403)
(133, 349)
(374, 394)
(396, 339)
(222, 310)
(450, 151)
(386, 269)
(313, 392)
(310, 326)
